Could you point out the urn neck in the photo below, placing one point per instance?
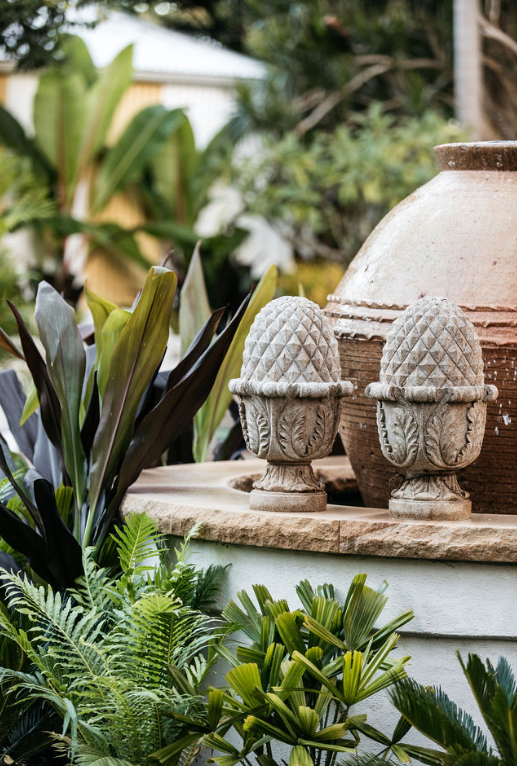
(483, 155)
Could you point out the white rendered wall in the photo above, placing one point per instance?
(458, 606)
(208, 107)
(21, 89)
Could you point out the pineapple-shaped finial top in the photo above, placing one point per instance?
(289, 342)
(432, 344)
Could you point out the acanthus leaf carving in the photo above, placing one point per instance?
(432, 439)
(399, 442)
(321, 428)
(291, 431)
(257, 428)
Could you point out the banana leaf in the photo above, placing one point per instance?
(173, 169)
(143, 137)
(13, 135)
(106, 93)
(61, 108)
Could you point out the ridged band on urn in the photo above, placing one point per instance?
(431, 407)
(289, 396)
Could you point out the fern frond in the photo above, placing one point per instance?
(58, 630)
(184, 549)
(137, 542)
(95, 590)
(85, 755)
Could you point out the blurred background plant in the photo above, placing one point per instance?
(153, 164)
(327, 193)
(328, 59)
(341, 122)
(22, 199)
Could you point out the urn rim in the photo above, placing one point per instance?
(480, 155)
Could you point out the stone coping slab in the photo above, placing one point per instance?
(181, 495)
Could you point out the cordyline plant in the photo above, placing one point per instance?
(100, 421)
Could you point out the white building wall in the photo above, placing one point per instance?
(208, 107)
(21, 89)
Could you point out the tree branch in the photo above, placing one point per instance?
(494, 33)
(329, 103)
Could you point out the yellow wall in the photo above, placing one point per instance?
(136, 98)
(3, 88)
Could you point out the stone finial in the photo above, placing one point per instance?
(289, 400)
(431, 407)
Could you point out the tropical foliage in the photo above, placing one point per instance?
(326, 196)
(107, 664)
(193, 313)
(83, 167)
(432, 712)
(295, 685)
(100, 420)
(22, 199)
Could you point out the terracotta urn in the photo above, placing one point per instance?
(456, 238)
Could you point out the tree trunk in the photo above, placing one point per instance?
(467, 67)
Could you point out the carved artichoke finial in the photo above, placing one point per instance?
(289, 394)
(431, 409)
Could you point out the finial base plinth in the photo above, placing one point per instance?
(451, 510)
(288, 502)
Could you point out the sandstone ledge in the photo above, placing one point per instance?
(179, 496)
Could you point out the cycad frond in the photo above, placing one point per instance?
(208, 585)
(431, 711)
(506, 678)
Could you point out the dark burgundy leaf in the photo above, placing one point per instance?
(12, 401)
(64, 552)
(20, 491)
(48, 399)
(171, 415)
(24, 539)
(196, 348)
(91, 420)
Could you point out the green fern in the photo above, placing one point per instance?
(115, 660)
(137, 542)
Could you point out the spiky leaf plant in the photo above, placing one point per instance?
(434, 714)
(114, 660)
(305, 669)
(102, 417)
